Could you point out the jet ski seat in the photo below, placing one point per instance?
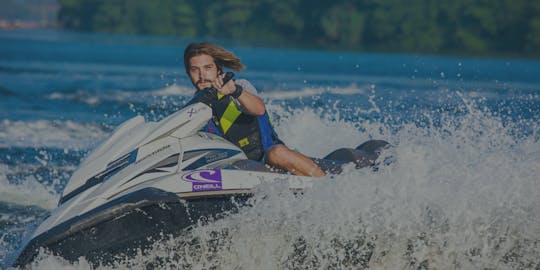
(252, 165)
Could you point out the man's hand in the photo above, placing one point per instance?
(226, 89)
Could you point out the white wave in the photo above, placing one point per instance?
(314, 133)
(173, 90)
(79, 96)
(311, 91)
(46, 261)
(489, 94)
(91, 98)
(94, 98)
(45, 133)
(28, 192)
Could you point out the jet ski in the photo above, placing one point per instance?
(154, 179)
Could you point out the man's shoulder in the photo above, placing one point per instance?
(246, 85)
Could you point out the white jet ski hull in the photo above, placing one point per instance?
(151, 179)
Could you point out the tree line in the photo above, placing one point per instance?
(467, 27)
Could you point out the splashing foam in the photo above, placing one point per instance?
(461, 195)
(325, 129)
(28, 192)
(44, 133)
(277, 94)
(92, 98)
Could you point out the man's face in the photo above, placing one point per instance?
(202, 71)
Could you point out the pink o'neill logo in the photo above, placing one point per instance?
(204, 180)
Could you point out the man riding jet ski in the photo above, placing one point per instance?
(239, 115)
(155, 179)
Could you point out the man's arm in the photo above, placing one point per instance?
(251, 102)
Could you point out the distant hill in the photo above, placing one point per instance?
(464, 27)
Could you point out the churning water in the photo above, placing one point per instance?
(462, 192)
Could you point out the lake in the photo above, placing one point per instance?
(463, 192)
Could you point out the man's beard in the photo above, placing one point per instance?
(202, 81)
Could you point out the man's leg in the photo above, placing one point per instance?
(282, 157)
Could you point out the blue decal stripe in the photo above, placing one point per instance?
(112, 168)
(159, 167)
(207, 158)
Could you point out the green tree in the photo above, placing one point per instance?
(382, 24)
(185, 19)
(343, 25)
(78, 14)
(420, 30)
(114, 17)
(459, 26)
(532, 39)
(229, 18)
(278, 19)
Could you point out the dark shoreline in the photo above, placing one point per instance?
(230, 42)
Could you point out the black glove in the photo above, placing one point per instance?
(208, 95)
(237, 92)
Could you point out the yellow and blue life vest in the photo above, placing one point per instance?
(253, 134)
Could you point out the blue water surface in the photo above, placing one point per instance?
(62, 92)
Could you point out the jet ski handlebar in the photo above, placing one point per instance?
(208, 95)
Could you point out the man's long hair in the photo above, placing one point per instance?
(222, 57)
